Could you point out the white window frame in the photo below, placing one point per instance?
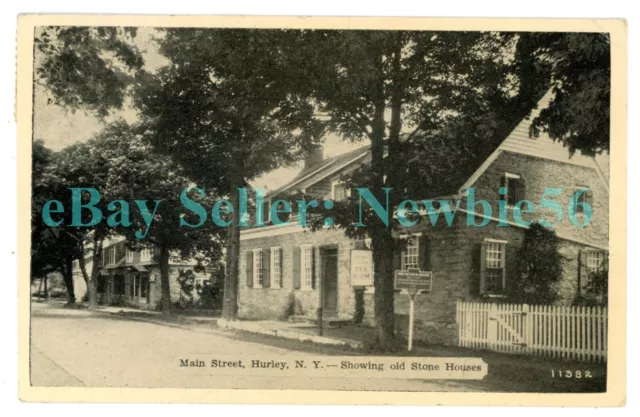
(413, 244)
(111, 252)
(145, 254)
(508, 175)
(594, 260)
(306, 267)
(335, 183)
(503, 266)
(129, 259)
(275, 266)
(258, 269)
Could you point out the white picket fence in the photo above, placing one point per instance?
(577, 333)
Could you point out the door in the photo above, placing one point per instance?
(330, 280)
(144, 289)
(139, 288)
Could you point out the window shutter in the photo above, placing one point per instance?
(503, 249)
(313, 267)
(425, 253)
(520, 190)
(483, 263)
(281, 277)
(249, 257)
(583, 272)
(589, 198)
(266, 268)
(296, 267)
(503, 183)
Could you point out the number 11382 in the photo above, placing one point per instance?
(570, 374)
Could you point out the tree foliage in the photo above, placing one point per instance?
(227, 113)
(538, 268)
(88, 68)
(577, 66)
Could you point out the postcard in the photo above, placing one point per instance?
(322, 210)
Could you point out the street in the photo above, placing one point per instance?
(71, 347)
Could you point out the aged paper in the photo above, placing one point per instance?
(322, 210)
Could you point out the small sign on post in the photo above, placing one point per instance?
(361, 268)
(412, 282)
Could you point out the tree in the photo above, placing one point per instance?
(134, 172)
(53, 249)
(88, 68)
(373, 85)
(214, 111)
(577, 66)
(538, 268)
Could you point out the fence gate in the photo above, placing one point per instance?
(578, 333)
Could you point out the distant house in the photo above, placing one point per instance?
(283, 267)
(132, 277)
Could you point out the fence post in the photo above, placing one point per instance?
(528, 328)
(492, 326)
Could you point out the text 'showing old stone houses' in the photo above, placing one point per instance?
(282, 268)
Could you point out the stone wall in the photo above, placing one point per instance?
(541, 173)
(281, 302)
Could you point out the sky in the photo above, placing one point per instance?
(59, 127)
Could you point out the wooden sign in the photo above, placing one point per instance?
(361, 268)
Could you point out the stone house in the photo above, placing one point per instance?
(132, 277)
(283, 267)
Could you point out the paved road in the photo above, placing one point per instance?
(82, 348)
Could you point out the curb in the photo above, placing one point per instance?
(285, 334)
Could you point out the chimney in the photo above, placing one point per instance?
(313, 156)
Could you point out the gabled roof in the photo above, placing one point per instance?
(519, 141)
(318, 171)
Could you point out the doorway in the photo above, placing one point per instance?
(139, 288)
(330, 280)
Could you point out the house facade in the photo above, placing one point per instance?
(132, 277)
(287, 270)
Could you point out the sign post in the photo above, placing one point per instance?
(412, 282)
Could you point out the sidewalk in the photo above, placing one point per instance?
(295, 331)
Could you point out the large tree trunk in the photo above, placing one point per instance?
(165, 286)
(381, 236)
(83, 269)
(230, 303)
(67, 276)
(85, 276)
(46, 288)
(95, 271)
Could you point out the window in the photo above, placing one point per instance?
(595, 260)
(276, 267)
(494, 267)
(513, 184)
(586, 197)
(306, 267)
(339, 191)
(118, 285)
(129, 256)
(112, 255)
(258, 272)
(145, 255)
(411, 254)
